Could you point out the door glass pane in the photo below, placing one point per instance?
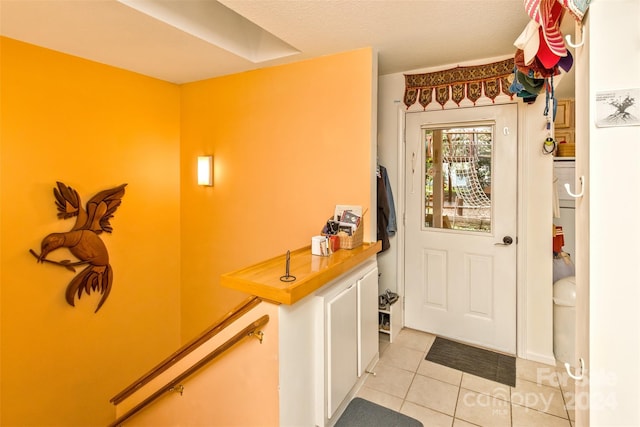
(457, 180)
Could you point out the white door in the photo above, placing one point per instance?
(461, 210)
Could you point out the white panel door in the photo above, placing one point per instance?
(342, 348)
(461, 210)
(367, 319)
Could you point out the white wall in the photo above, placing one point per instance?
(613, 184)
(535, 306)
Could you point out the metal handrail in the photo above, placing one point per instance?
(253, 329)
(212, 331)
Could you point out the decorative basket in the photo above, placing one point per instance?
(353, 241)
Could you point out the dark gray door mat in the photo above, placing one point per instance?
(473, 360)
(362, 413)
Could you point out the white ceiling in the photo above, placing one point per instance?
(408, 34)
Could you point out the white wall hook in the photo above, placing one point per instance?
(578, 195)
(576, 45)
(577, 376)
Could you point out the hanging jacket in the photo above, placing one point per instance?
(383, 214)
(392, 227)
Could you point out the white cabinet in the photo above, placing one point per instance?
(350, 337)
(327, 342)
(342, 346)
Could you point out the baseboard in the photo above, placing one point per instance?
(541, 358)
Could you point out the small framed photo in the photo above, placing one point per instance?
(618, 108)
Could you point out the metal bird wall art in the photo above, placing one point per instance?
(83, 240)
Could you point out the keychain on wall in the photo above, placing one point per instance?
(550, 145)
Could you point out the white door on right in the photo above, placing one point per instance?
(461, 212)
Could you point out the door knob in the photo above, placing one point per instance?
(506, 241)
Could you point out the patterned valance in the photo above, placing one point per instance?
(459, 83)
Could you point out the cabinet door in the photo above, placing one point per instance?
(342, 349)
(367, 319)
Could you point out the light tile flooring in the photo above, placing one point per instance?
(441, 396)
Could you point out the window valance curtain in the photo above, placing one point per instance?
(459, 83)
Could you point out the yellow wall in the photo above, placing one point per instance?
(288, 142)
(92, 127)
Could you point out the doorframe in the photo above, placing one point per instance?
(521, 220)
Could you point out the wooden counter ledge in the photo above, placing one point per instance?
(311, 271)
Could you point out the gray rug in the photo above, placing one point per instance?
(362, 413)
(477, 361)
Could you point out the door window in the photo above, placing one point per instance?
(457, 178)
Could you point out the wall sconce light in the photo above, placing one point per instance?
(205, 171)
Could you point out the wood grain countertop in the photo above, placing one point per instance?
(311, 272)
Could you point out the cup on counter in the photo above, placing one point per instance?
(320, 246)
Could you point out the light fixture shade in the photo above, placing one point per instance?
(205, 170)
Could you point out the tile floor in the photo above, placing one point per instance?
(441, 396)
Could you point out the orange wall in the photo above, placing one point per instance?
(289, 143)
(92, 127)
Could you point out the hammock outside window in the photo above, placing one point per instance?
(458, 165)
